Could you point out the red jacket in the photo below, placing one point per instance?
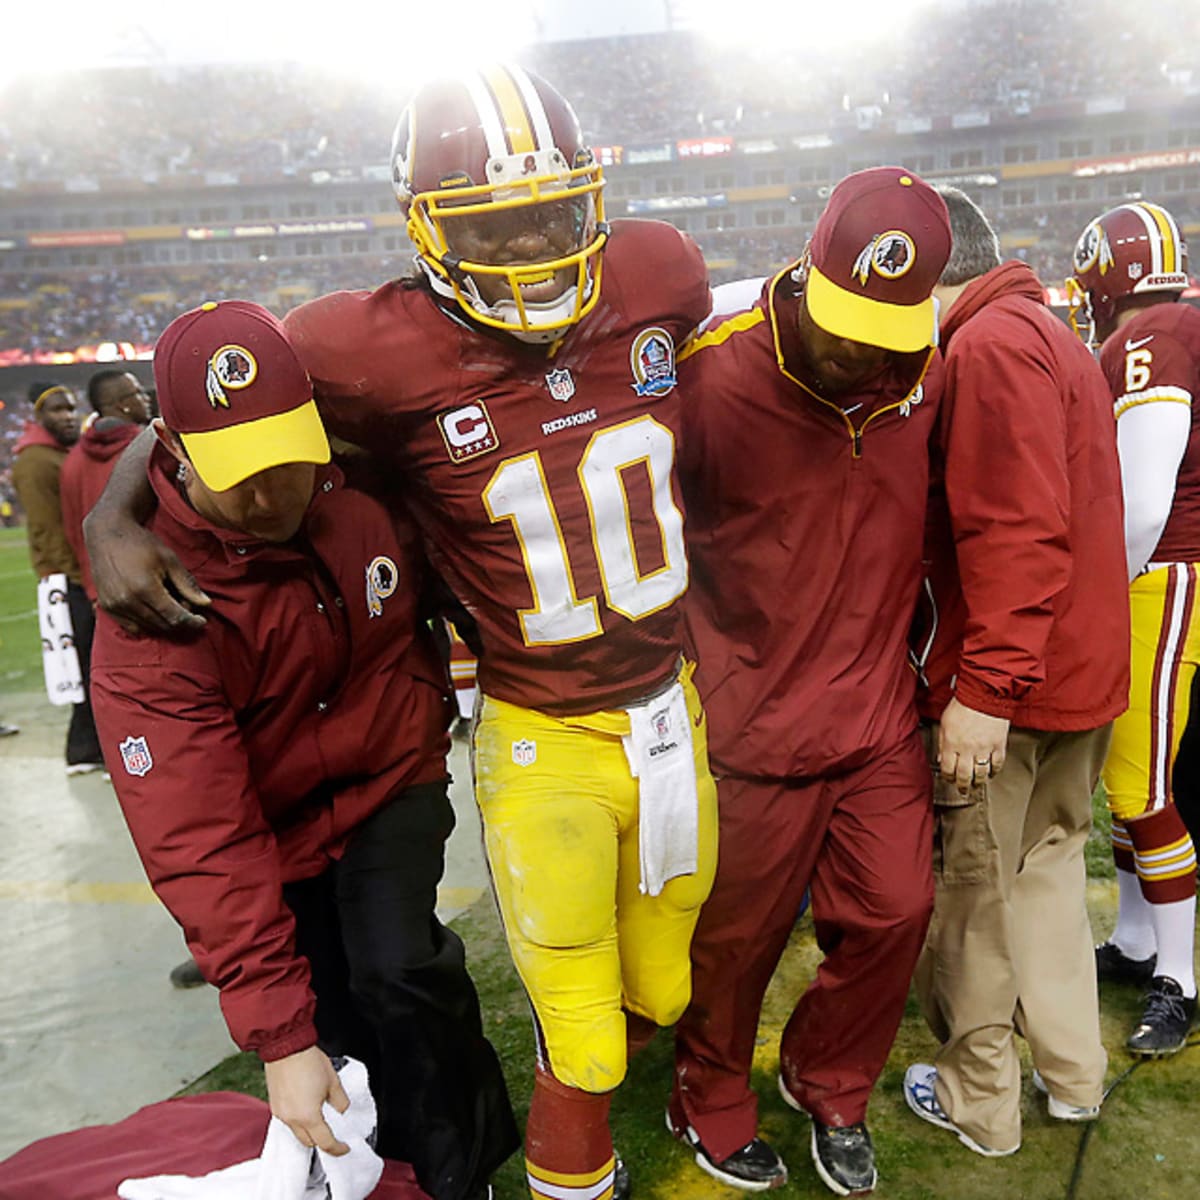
(245, 757)
(1026, 541)
(85, 471)
(805, 531)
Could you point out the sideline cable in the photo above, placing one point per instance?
(1086, 1136)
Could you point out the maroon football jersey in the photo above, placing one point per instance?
(1155, 356)
(543, 481)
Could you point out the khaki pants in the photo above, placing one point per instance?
(1009, 948)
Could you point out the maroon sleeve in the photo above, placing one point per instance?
(183, 781)
(1008, 494)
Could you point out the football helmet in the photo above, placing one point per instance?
(1128, 251)
(503, 200)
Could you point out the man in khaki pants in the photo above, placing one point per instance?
(1027, 665)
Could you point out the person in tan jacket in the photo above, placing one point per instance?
(37, 470)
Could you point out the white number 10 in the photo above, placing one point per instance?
(517, 492)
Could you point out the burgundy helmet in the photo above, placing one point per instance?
(476, 161)
(1128, 251)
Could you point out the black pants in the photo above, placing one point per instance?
(83, 743)
(393, 991)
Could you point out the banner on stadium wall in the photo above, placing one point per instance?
(609, 156)
(204, 233)
(1122, 164)
(80, 237)
(665, 203)
(758, 146)
(101, 352)
(704, 147)
(659, 152)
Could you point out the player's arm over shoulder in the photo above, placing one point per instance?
(666, 264)
(328, 334)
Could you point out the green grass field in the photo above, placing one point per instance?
(1145, 1147)
(20, 646)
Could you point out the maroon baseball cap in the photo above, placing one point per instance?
(230, 385)
(877, 250)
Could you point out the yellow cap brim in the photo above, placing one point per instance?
(902, 327)
(223, 458)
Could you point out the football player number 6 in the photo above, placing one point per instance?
(517, 492)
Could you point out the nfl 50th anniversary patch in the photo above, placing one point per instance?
(135, 754)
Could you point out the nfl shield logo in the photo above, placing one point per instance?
(661, 723)
(560, 383)
(524, 753)
(135, 754)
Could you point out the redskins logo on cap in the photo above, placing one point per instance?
(231, 367)
(889, 254)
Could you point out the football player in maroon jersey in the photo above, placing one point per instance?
(523, 383)
(1130, 270)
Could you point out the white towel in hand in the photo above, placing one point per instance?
(659, 749)
(287, 1170)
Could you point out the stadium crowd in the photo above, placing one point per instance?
(275, 120)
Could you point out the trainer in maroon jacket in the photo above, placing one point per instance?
(805, 465)
(283, 771)
(121, 410)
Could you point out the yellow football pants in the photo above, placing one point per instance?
(560, 818)
(1165, 649)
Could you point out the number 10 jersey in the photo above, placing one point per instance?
(543, 482)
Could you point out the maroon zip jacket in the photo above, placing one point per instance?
(1026, 539)
(805, 526)
(85, 471)
(244, 757)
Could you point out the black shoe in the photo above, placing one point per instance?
(844, 1158)
(1166, 1021)
(753, 1168)
(7, 730)
(622, 1188)
(187, 975)
(1113, 965)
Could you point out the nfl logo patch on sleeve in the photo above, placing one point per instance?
(135, 754)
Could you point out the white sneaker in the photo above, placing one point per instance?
(919, 1081)
(1059, 1109)
(84, 768)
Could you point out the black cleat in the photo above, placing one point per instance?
(1113, 965)
(1166, 1020)
(844, 1158)
(754, 1168)
(622, 1187)
(187, 975)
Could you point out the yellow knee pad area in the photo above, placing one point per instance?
(589, 1055)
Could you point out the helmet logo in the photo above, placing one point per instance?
(1135, 270)
(529, 166)
(889, 254)
(1092, 247)
(232, 368)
